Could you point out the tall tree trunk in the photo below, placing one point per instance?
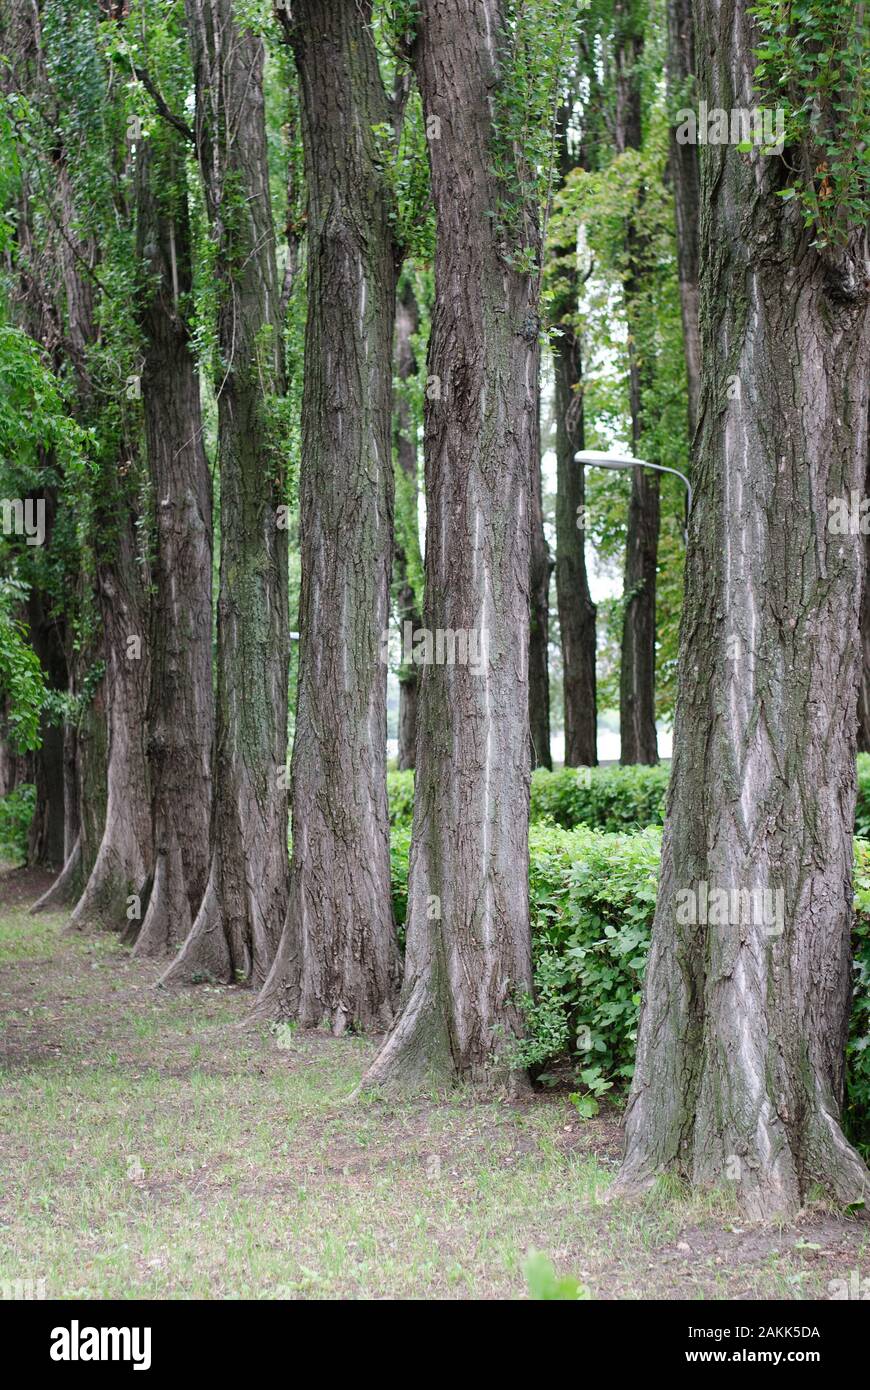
(686, 179)
(576, 610)
(637, 719)
(864, 665)
(92, 755)
(468, 946)
(539, 604)
(637, 727)
(740, 1058)
(407, 548)
(45, 845)
(123, 865)
(338, 961)
(236, 930)
(180, 713)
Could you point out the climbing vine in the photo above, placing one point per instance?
(812, 65)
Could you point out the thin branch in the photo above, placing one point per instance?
(170, 117)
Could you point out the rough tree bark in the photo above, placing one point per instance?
(539, 605)
(686, 179)
(637, 721)
(637, 728)
(338, 960)
(741, 1047)
(405, 449)
(576, 610)
(864, 666)
(236, 930)
(181, 707)
(468, 947)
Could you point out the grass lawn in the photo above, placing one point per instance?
(154, 1145)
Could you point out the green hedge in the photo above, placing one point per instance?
(603, 798)
(592, 901)
(16, 813)
(400, 795)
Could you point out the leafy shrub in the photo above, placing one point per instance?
(593, 898)
(16, 813)
(400, 850)
(544, 1283)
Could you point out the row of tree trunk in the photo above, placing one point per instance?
(740, 1053)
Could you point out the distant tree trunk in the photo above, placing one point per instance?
(236, 930)
(45, 844)
(405, 441)
(92, 757)
(15, 767)
(637, 727)
(85, 777)
(123, 864)
(468, 947)
(338, 961)
(740, 1058)
(637, 716)
(539, 606)
(576, 609)
(181, 708)
(687, 192)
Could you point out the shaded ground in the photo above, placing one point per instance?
(151, 1146)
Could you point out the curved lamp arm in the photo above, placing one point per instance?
(591, 458)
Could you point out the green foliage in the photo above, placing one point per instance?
(400, 794)
(544, 1283)
(22, 687)
(400, 853)
(536, 49)
(812, 65)
(544, 1012)
(16, 813)
(403, 160)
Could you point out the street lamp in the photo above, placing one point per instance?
(595, 458)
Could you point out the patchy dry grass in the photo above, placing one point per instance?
(153, 1146)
